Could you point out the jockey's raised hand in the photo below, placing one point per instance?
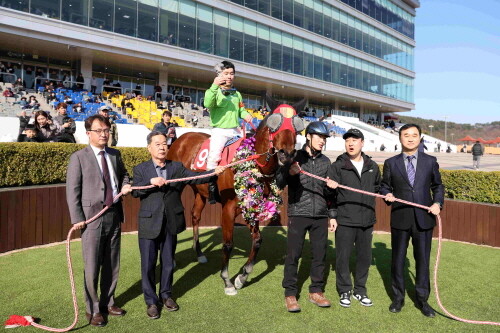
(220, 169)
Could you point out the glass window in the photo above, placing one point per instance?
(318, 17)
(298, 13)
(45, 8)
(204, 33)
(276, 49)
(288, 11)
(318, 61)
(147, 26)
(308, 15)
(236, 38)
(75, 11)
(250, 46)
(277, 9)
(335, 24)
(327, 64)
(308, 59)
(264, 6)
(22, 5)
(169, 21)
(327, 21)
(335, 66)
(263, 45)
(125, 17)
(298, 55)
(287, 52)
(221, 33)
(252, 4)
(187, 24)
(101, 14)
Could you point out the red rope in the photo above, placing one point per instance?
(29, 320)
(438, 256)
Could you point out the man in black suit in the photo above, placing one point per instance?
(161, 218)
(412, 176)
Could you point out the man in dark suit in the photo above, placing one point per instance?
(161, 218)
(96, 174)
(412, 176)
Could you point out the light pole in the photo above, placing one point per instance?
(452, 136)
(445, 129)
(431, 126)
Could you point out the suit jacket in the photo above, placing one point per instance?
(85, 184)
(162, 204)
(427, 179)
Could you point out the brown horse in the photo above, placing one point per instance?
(276, 146)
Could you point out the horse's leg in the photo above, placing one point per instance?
(228, 216)
(199, 204)
(248, 268)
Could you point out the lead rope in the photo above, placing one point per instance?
(438, 256)
(16, 320)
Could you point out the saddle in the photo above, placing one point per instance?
(227, 155)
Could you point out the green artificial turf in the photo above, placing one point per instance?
(35, 282)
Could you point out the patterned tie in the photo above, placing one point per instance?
(108, 191)
(410, 170)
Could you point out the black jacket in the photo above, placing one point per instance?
(352, 208)
(477, 150)
(307, 196)
(161, 205)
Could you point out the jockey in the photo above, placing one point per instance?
(226, 108)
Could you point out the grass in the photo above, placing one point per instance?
(35, 282)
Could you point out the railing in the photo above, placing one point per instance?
(159, 96)
(9, 74)
(39, 215)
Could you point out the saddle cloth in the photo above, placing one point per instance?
(200, 161)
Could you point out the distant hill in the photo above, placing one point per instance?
(455, 131)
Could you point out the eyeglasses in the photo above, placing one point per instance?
(100, 131)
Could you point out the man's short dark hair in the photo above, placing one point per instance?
(90, 120)
(221, 66)
(406, 126)
(149, 138)
(167, 113)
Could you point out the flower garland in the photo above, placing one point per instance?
(249, 188)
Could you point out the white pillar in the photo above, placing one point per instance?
(163, 80)
(86, 69)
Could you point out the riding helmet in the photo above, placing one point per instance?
(317, 127)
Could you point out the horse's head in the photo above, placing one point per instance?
(282, 127)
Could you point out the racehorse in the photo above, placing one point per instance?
(275, 140)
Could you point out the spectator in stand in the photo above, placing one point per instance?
(32, 104)
(60, 84)
(477, 151)
(22, 102)
(93, 85)
(10, 70)
(205, 112)
(127, 104)
(24, 120)
(48, 131)
(392, 125)
(67, 123)
(68, 100)
(8, 93)
(194, 106)
(78, 108)
(138, 90)
(106, 83)
(113, 129)
(86, 97)
(29, 134)
(167, 127)
(98, 98)
(113, 94)
(80, 81)
(194, 120)
(19, 86)
(51, 97)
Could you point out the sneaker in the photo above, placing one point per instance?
(319, 299)
(345, 299)
(291, 304)
(363, 300)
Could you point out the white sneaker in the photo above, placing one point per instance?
(345, 299)
(363, 300)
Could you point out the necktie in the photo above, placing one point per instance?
(410, 170)
(108, 191)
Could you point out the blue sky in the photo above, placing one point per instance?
(457, 61)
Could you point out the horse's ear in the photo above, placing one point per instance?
(299, 106)
(273, 104)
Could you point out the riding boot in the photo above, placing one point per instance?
(213, 192)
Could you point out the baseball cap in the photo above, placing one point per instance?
(353, 132)
(104, 108)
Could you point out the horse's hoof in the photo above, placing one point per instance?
(202, 259)
(238, 284)
(231, 291)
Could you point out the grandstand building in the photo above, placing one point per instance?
(350, 57)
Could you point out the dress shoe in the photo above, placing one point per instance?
(291, 304)
(152, 311)
(396, 306)
(96, 319)
(170, 304)
(427, 310)
(115, 311)
(319, 299)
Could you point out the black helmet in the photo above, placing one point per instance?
(317, 127)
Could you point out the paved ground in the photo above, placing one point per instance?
(456, 161)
